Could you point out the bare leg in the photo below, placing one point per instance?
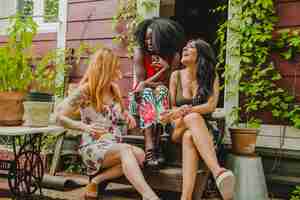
(179, 130)
(131, 157)
(148, 139)
(189, 165)
(203, 141)
(113, 167)
(110, 173)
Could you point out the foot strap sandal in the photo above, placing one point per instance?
(225, 182)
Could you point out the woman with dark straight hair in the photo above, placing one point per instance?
(194, 93)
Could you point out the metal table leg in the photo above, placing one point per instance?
(26, 170)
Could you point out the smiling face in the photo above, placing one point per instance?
(189, 54)
(148, 40)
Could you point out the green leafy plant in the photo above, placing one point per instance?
(51, 10)
(296, 194)
(127, 19)
(288, 44)
(258, 76)
(16, 53)
(45, 70)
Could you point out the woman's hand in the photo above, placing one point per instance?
(129, 120)
(185, 109)
(165, 117)
(159, 62)
(95, 130)
(140, 86)
(177, 113)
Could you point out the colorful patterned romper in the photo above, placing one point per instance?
(93, 149)
(150, 102)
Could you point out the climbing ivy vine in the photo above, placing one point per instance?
(258, 74)
(127, 19)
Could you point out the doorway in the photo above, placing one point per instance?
(200, 21)
(198, 18)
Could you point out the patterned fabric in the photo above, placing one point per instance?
(93, 148)
(149, 105)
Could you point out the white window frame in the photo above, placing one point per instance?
(38, 16)
(38, 13)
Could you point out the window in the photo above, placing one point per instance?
(44, 12)
(7, 8)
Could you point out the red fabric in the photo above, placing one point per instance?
(150, 70)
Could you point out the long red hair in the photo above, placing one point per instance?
(99, 75)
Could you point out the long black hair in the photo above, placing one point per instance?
(167, 36)
(206, 70)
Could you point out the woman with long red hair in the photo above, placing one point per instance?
(99, 101)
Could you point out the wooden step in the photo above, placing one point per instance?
(170, 179)
(284, 180)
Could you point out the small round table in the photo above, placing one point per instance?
(26, 170)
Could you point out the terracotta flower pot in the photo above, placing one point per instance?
(243, 140)
(11, 108)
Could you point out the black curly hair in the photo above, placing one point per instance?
(206, 70)
(167, 36)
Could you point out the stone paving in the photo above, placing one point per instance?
(114, 192)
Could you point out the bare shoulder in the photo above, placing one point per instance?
(175, 73)
(116, 88)
(75, 99)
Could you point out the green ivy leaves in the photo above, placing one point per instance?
(258, 78)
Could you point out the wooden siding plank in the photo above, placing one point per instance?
(78, 70)
(291, 84)
(117, 48)
(42, 47)
(82, 1)
(125, 84)
(38, 37)
(92, 10)
(288, 14)
(285, 1)
(286, 67)
(90, 30)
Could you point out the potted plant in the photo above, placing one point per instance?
(15, 76)
(40, 99)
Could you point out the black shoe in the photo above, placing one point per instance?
(160, 157)
(151, 162)
(101, 189)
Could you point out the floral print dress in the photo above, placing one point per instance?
(93, 148)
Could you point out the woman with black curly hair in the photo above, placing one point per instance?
(159, 41)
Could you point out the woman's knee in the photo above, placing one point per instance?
(124, 148)
(139, 154)
(187, 138)
(193, 117)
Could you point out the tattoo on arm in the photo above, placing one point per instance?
(67, 108)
